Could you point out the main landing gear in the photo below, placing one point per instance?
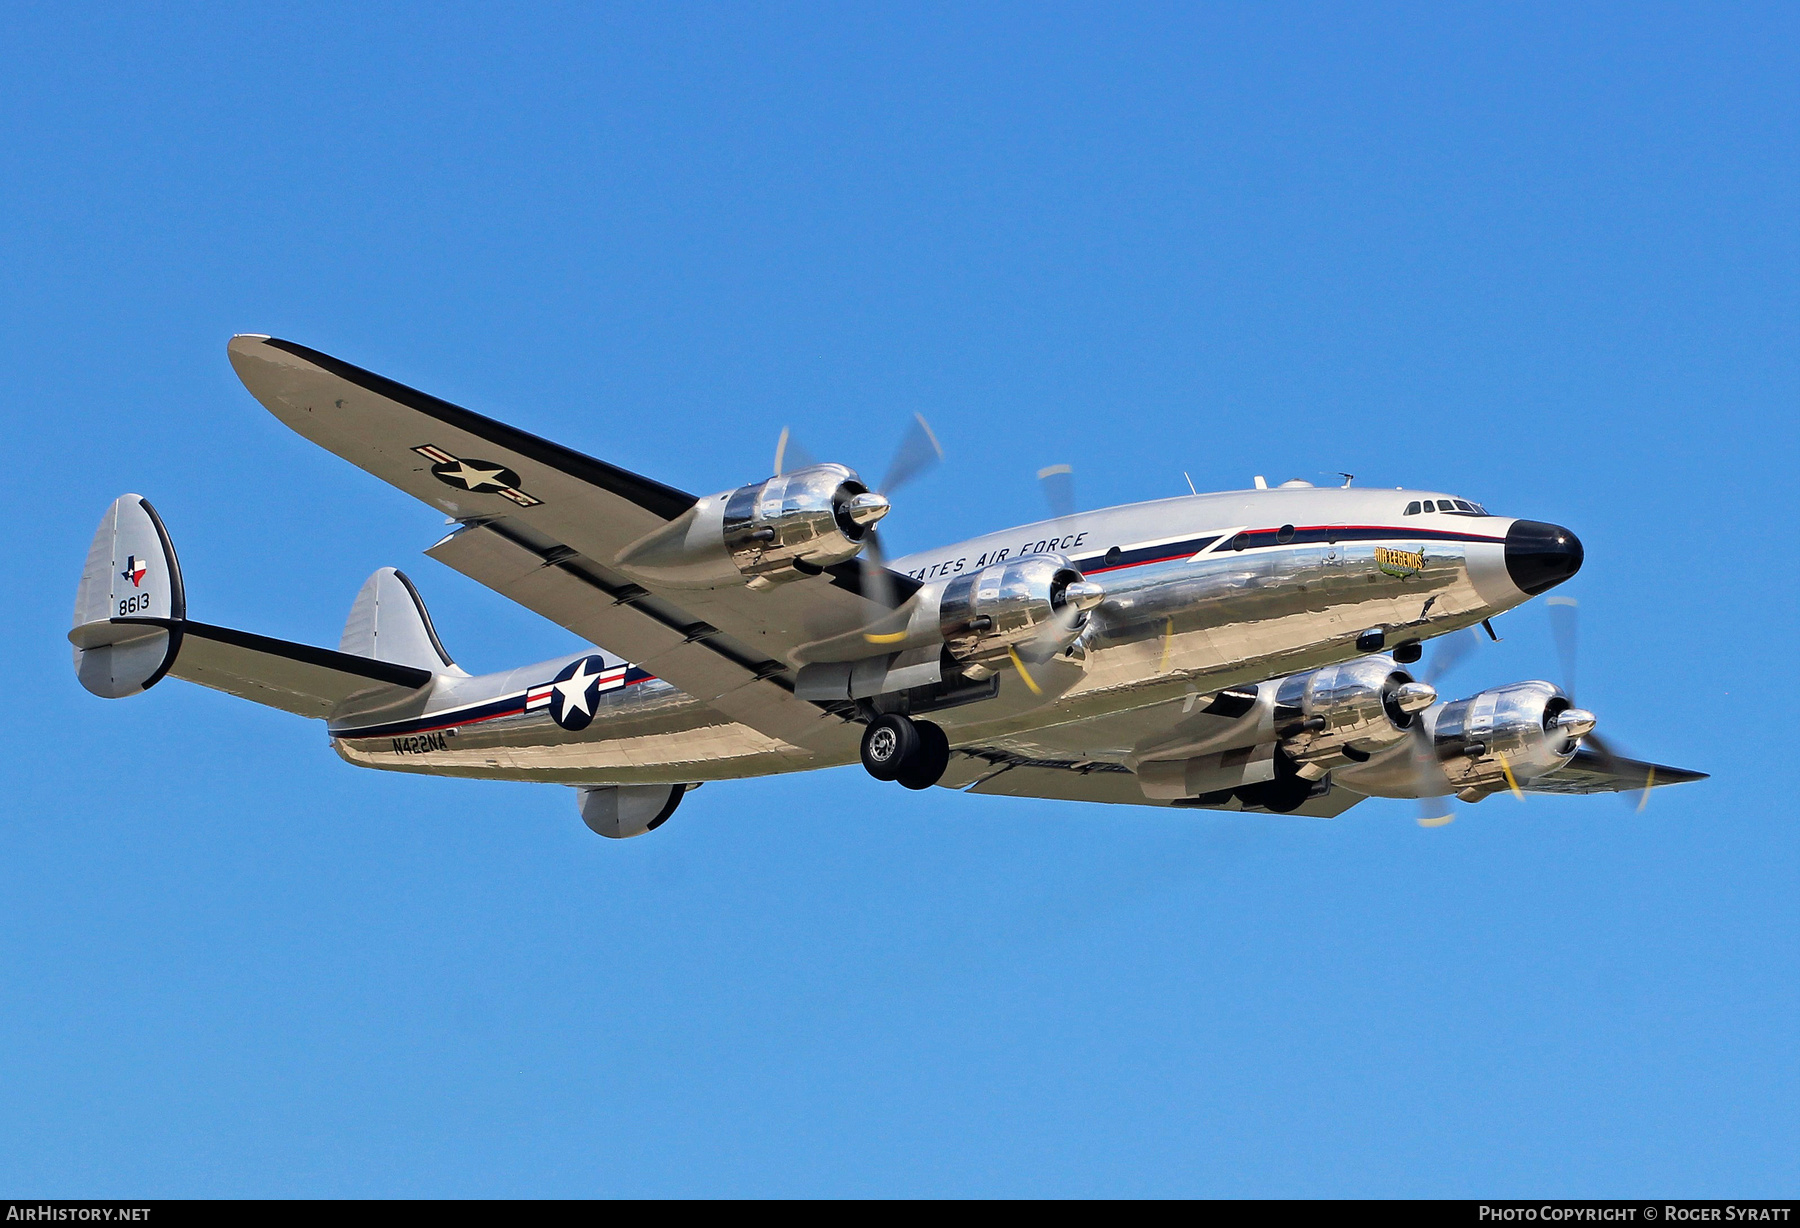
(896, 747)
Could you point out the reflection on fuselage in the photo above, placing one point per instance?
(1268, 583)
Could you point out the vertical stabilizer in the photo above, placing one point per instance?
(131, 574)
(388, 622)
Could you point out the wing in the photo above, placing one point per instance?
(994, 771)
(542, 525)
(1587, 772)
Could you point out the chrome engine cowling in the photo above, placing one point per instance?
(1527, 728)
(1346, 713)
(1035, 604)
(792, 525)
(799, 523)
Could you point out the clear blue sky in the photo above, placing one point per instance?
(1545, 257)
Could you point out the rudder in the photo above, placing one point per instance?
(131, 572)
(389, 622)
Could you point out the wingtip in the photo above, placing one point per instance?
(246, 343)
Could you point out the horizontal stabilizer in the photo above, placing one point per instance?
(296, 678)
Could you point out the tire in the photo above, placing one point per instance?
(926, 767)
(889, 743)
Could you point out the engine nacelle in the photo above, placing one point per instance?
(795, 524)
(799, 523)
(1035, 604)
(1346, 713)
(1526, 728)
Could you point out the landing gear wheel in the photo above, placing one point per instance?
(888, 744)
(928, 765)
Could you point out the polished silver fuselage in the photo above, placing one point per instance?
(1203, 592)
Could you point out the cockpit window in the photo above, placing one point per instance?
(1453, 506)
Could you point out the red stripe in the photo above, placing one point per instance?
(1311, 528)
(452, 724)
(1186, 554)
(1389, 529)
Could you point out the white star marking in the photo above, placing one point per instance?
(471, 475)
(575, 690)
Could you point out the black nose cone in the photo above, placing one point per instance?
(1540, 556)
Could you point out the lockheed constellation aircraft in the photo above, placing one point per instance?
(1242, 651)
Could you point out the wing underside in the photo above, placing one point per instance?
(1004, 772)
(1000, 773)
(1588, 772)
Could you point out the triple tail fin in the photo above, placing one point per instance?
(130, 605)
(389, 622)
(131, 628)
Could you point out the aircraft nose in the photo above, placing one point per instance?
(1540, 556)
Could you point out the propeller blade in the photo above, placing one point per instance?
(1565, 627)
(878, 587)
(877, 581)
(790, 455)
(919, 450)
(1056, 634)
(1024, 674)
(1609, 758)
(1429, 781)
(1512, 782)
(1059, 489)
(1451, 650)
(1614, 762)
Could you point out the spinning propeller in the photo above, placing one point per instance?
(1429, 782)
(1059, 489)
(1076, 599)
(1565, 626)
(917, 452)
